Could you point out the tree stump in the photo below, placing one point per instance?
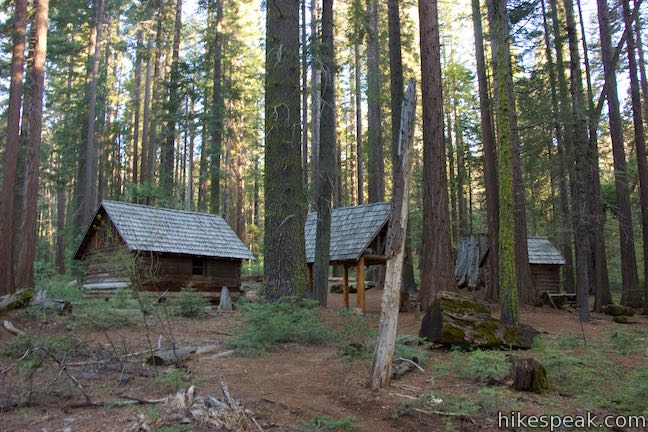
(529, 375)
(225, 300)
(453, 320)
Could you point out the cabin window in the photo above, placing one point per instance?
(198, 267)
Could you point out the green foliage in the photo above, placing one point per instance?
(171, 380)
(59, 287)
(412, 348)
(632, 398)
(486, 367)
(16, 346)
(189, 303)
(354, 335)
(267, 324)
(321, 423)
(103, 318)
(626, 343)
(121, 298)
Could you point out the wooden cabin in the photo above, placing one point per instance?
(471, 267)
(160, 250)
(358, 237)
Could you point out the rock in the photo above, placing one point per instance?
(529, 375)
(622, 319)
(617, 310)
(453, 320)
(225, 299)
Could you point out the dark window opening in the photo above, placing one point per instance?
(197, 267)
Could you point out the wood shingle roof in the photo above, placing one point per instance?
(162, 230)
(352, 230)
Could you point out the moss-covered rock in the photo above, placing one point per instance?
(622, 319)
(18, 300)
(453, 320)
(617, 310)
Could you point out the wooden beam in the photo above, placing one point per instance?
(372, 258)
(346, 286)
(360, 301)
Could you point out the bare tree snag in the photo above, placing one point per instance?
(395, 248)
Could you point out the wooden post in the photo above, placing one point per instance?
(346, 285)
(395, 248)
(360, 281)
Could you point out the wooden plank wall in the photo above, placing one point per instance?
(546, 277)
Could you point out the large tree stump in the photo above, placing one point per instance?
(453, 320)
(529, 375)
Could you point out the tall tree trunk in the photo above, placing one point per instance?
(189, 203)
(137, 103)
(304, 94)
(326, 173)
(600, 281)
(27, 255)
(642, 63)
(89, 181)
(285, 207)
(316, 103)
(461, 173)
(11, 148)
(358, 114)
(217, 116)
(146, 120)
(408, 285)
(631, 295)
(376, 169)
(436, 260)
(580, 211)
(503, 78)
(60, 227)
(490, 155)
(639, 141)
(174, 103)
(454, 211)
(155, 106)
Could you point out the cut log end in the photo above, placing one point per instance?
(529, 375)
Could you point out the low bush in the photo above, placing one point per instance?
(267, 324)
(189, 303)
(171, 380)
(485, 367)
(320, 423)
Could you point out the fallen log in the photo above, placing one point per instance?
(43, 301)
(453, 320)
(164, 357)
(17, 300)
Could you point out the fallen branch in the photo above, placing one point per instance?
(12, 329)
(413, 363)
(446, 414)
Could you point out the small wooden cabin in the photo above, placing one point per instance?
(358, 237)
(471, 267)
(161, 250)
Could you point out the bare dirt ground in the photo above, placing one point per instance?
(282, 388)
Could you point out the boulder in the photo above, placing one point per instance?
(617, 310)
(622, 319)
(453, 320)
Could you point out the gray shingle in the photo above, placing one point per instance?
(352, 230)
(152, 229)
(541, 251)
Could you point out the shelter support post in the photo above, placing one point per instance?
(346, 285)
(310, 277)
(361, 284)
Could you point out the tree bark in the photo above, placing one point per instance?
(215, 147)
(137, 103)
(89, 181)
(490, 155)
(580, 211)
(374, 107)
(395, 247)
(11, 147)
(304, 94)
(509, 270)
(436, 260)
(146, 120)
(325, 176)
(631, 295)
(285, 207)
(358, 114)
(316, 105)
(27, 255)
(639, 141)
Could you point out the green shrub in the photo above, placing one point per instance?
(121, 298)
(171, 380)
(625, 343)
(632, 397)
(60, 287)
(17, 346)
(320, 423)
(104, 319)
(267, 324)
(354, 336)
(486, 367)
(412, 348)
(189, 303)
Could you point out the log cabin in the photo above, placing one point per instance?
(471, 267)
(159, 250)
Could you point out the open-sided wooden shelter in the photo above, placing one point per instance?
(358, 235)
(471, 267)
(158, 249)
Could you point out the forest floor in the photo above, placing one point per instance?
(297, 387)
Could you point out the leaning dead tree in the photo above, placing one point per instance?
(395, 248)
